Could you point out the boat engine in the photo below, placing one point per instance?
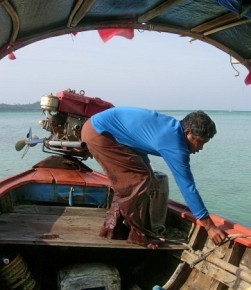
(65, 113)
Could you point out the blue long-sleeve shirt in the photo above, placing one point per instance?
(150, 132)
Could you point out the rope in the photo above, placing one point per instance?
(176, 242)
(237, 72)
(228, 238)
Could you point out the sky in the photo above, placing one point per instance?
(153, 70)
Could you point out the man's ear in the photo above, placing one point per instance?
(187, 131)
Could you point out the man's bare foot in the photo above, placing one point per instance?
(154, 244)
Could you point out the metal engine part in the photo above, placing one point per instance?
(65, 115)
(64, 126)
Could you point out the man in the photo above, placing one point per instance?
(120, 139)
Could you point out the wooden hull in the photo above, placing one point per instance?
(51, 217)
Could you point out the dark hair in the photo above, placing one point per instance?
(200, 124)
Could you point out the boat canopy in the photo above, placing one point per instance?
(225, 24)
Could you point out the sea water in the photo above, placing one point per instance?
(222, 171)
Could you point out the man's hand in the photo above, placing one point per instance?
(214, 233)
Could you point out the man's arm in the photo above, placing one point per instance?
(179, 165)
(214, 233)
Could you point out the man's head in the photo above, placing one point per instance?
(199, 129)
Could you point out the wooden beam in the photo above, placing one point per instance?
(157, 10)
(74, 11)
(230, 25)
(124, 24)
(238, 272)
(245, 11)
(196, 36)
(179, 277)
(15, 20)
(218, 269)
(82, 9)
(215, 22)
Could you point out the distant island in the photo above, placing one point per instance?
(20, 108)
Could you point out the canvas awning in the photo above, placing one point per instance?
(223, 24)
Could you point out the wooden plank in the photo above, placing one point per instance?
(197, 281)
(227, 26)
(60, 226)
(42, 175)
(15, 181)
(81, 13)
(15, 21)
(246, 260)
(66, 176)
(157, 10)
(218, 269)
(215, 22)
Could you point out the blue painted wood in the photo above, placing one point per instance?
(81, 195)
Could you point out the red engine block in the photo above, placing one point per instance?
(72, 103)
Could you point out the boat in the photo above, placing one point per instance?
(50, 215)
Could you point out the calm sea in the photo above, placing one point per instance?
(222, 171)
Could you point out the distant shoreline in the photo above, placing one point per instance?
(35, 107)
(19, 108)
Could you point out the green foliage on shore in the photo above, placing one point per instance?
(20, 108)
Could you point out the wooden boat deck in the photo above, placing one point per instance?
(60, 226)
